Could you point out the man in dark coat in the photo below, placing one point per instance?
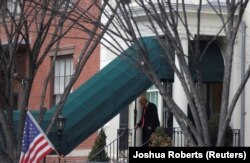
(149, 120)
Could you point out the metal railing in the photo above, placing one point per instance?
(175, 134)
(117, 150)
(236, 137)
(178, 137)
(123, 143)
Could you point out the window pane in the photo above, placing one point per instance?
(57, 98)
(57, 68)
(56, 86)
(14, 6)
(68, 67)
(67, 78)
(152, 95)
(61, 85)
(152, 87)
(63, 72)
(62, 67)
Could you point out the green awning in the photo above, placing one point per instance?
(212, 64)
(108, 92)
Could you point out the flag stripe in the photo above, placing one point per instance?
(35, 144)
(35, 149)
(32, 146)
(38, 148)
(42, 154)
(21, 158)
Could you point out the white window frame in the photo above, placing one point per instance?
(150, 91)
(70, 3)
(63, 72)
(13, 5)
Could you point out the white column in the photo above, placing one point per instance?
(138, 130)
(136, 139)
(247, 88)
(179, 95)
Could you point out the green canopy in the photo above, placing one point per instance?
(108, 92)
(212, 64)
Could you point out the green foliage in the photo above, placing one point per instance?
(98, 152)
(213, 129)
(160, 139)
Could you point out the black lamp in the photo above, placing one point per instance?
(60, 122)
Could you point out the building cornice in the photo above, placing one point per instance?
(138, 11)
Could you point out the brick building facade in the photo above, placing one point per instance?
(69, 50)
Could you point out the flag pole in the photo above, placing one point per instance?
(39, 128)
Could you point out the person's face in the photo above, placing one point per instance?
(143, 103)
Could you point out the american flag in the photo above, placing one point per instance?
(35, 144)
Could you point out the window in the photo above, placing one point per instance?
(14, 6)
(167, 117)
(126, 1)
(152, 95)
(62, 75)
(66, 3)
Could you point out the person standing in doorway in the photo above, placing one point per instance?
(149, 120)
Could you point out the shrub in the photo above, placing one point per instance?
(213, 130)
(160, 139)
(98, 152)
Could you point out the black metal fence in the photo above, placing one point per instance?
(123, 144)
(117, 150)
(236, 137)
(178, 138)
(176, 135)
